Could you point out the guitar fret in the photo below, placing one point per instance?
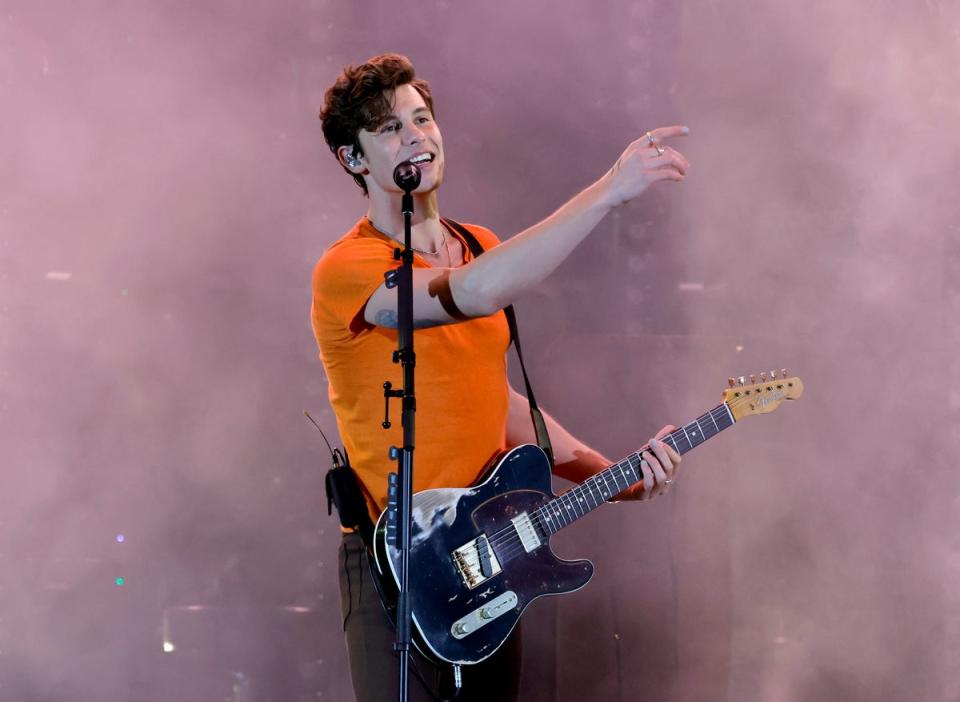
(696, 433)
(700, 428)
(571, 495)
(582, 499)
(539, 527)
(729, 414)
(672, 441)
(590, 488)
(716, 426)
(617, 474)
(593, 492)
(705, 432)
(606, 486)
(582, 496)
(553, 516)
(616, 482)
(572, 505)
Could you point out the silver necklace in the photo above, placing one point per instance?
(443, 245)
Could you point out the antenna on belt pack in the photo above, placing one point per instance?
(343, 491)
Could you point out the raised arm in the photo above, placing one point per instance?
(496, 279)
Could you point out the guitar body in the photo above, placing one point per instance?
(467, 595)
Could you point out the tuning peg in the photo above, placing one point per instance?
(773, 375)
(731, 381)
(763, 377)
(784, 372)
(741, 380)
(753, 378)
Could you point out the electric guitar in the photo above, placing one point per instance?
(480, 555)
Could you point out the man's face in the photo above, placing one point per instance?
(409, 133)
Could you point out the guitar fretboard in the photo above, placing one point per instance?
(593, 492)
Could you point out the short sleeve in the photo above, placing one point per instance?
(345, 277)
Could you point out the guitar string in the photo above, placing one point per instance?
(511, 534)
(506, 538)
(509, 545)
(568, 501)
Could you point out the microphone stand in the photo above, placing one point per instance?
(400, 506)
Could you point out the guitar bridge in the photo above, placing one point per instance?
(476, 561)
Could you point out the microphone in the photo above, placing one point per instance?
(407, 177)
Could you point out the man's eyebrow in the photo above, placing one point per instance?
(391, 116)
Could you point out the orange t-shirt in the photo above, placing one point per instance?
(461, 374)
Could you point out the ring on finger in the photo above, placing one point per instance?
(650, 138)
(659, 149)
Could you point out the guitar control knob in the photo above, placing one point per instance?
(460, 628)
(485, 614)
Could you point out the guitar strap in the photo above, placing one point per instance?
(539, 425)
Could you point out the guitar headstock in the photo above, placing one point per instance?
(760, 397)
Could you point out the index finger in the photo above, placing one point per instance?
(660, 133)
(671, 449)
(668, 429)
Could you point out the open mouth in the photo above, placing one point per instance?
(421, 159)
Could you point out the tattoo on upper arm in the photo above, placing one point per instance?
(386, 318)
(438, 287)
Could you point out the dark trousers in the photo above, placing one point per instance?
(374, 664)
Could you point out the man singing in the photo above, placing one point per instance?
(376, 116)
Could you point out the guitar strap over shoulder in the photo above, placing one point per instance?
(539, 425)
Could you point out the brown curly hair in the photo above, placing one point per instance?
(356, 101)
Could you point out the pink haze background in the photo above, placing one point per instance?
(165, 192)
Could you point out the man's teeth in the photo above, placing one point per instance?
(421, 158)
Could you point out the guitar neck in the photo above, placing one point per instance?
(596, 490)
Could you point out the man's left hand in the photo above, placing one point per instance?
(658, 465)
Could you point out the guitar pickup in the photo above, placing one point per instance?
(476, 562)
(485, 555)
(526, 532)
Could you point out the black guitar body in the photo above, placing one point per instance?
(455, 619)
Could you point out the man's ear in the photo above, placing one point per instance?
(354, 164)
